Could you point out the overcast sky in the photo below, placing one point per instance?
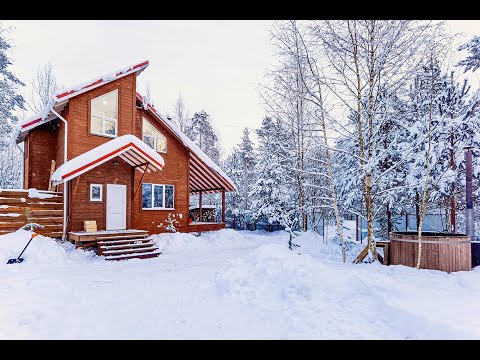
(216, 65)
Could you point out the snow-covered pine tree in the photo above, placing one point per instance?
(247, 156)
(10, 101)
(472, 62)
(287, 100)
(234, 201)
(201, 131)
(271, 195)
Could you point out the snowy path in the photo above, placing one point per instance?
(228, 285)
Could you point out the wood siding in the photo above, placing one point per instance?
(175, 172)
(40, 150)
(84, 209)
(79, 138)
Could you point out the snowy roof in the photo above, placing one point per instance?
(204, 173)
(128, 147)
(60, 98)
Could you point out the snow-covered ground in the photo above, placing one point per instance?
(228, 285)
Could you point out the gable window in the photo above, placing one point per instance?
(104, 115)
(157, 197)
(96, 192)
(154, 138)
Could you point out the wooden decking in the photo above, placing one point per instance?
(85, 239)
(117, 244)
(204, 226)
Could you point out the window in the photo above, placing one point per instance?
(96, 192)
(154, 138)
(104, 114)
(155, 196)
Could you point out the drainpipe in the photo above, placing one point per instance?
(65, 184)
(469, 192)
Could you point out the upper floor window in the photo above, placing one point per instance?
(154, 138)
(104, 114)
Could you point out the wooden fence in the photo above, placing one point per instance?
(20, 207)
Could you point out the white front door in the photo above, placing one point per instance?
(116, 207)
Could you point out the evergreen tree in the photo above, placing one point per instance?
(247, 156)
(10, 156)
(233, 167)
(9, 99)
(201, 132)
(272, 196)
(472, 62)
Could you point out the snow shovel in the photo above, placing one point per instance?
(19, 259)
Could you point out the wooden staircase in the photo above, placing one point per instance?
(122, 247)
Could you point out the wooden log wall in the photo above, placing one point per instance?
(17, 209)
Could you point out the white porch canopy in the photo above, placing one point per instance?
(128, 147)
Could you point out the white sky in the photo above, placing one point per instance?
(216, 65)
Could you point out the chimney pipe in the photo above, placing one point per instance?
(469, 192)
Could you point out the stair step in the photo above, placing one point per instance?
(145, 255)
(126, 246)
(118, 242)
(129, 251)
(119, 237)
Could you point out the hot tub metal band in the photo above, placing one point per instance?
(432, 242)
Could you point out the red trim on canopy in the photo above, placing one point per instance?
(116, 151)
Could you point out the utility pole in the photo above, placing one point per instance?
(453, 226)
(469, 192)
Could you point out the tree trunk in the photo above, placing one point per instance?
(372, 246)
(389, 221)
(427, 175)
(417, 208)
(338, 219)
(366, 178)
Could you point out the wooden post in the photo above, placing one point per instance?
(71, 198)
(141, 179)
(200, 205)
(356, 227)
(389, 221)
(223, 205)
(52, 170)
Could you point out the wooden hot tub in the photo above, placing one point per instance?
(440, 251)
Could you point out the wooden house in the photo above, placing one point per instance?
(118, 160)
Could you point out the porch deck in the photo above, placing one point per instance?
(84, 239)
(197, 226)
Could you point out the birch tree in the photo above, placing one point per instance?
(286, 100)
(363, 59)
(44, 85)
(181, 113)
